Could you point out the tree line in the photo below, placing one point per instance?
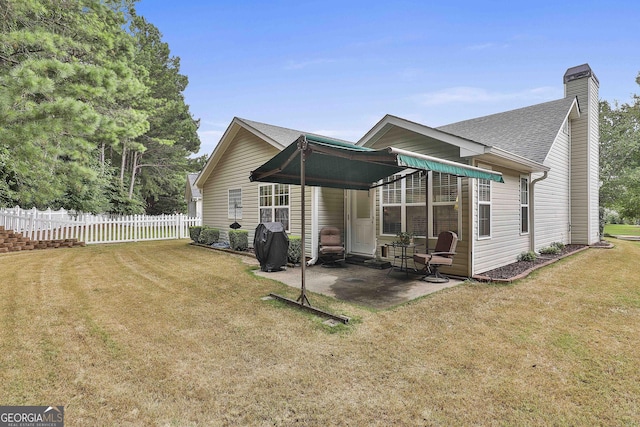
(92, 110)
(620, 157)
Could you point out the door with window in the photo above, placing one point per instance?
(362, 229)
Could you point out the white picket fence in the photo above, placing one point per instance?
(92, 229)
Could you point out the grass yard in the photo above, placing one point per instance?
(163, 333)
(622, 230)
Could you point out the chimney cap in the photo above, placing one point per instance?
(579, 72)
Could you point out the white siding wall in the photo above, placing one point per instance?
(594, 160)
(552, 196)
(331, 209)
(295, 214)
(584, 162)
(506, 242)
(245, 153)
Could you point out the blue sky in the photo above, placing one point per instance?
(337, 67)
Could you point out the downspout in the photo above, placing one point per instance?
(315, 202)
(532, 209)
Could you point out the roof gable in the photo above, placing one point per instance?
(389, 121)
(276, 136)
(528, 132)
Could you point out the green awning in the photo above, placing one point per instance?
(424, 162)
(337, 164)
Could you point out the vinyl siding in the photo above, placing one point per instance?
(584, 162)
(505, 242)
(245, 153)
(295, 215)
(407, 140)
(594, 164)
(552, 196)
(331, 209)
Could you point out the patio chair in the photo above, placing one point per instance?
(442, 255)
(331, 247)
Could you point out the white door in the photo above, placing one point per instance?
(362, 232)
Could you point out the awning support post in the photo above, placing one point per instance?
(302, 147)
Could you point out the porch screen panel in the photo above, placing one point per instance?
(415, 200)
(392, 206)
(445, 203)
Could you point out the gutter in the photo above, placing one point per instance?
(533, 166)
(532, 209)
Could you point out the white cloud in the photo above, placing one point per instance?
(299, 65)
(489, 45)
(475, 95)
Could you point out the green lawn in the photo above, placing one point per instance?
(622, 230)
(164, 333)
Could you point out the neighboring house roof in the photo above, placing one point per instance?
(195, 191)
(528, 132)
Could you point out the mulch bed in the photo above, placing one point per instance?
(521, 269)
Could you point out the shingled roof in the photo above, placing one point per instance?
(528, 132)
(283, 136)
(195, 191)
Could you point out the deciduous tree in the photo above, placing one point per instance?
(620, 157)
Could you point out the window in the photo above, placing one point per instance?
(392, 205)
(416, 204)
(445, 207)
(235, 204)
(404, 204)
(524, 205)
(484, 208)
(274, 204)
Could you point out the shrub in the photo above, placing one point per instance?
(527, 256)
(194, 233)
(558, 245)
(239, 240)
(295, 249)
(550, 250)
(209, 236)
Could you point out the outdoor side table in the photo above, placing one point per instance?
(402, 253)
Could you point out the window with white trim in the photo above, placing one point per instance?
(404, 204)
(416, 204)
(484, 208)
(392, 205)
(524, 204)
(274, 204)
(445, 212)
(235, 204)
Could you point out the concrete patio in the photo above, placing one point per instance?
(361, 285)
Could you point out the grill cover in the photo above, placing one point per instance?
(271, 246)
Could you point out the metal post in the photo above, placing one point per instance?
(426, 211)
(302, 147)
